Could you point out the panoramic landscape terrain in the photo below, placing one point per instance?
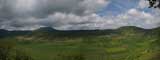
(125, 43)
(79, 29)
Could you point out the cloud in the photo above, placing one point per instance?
(93, 6)
(143, 4)
(43, 8)
(72, 15)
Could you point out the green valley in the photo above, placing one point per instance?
(125, 43)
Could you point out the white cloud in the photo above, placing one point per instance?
(71, 15)
(143, 4)
(92, 6)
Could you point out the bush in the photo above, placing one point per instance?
(8, 51)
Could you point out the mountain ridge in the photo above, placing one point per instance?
(50, 28)
(49, 31)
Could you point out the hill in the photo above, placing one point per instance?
(124, 43)
(45, 31)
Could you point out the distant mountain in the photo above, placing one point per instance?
(3, 33)
(133, 29)
(46, 29)
(6, 33)
(51, 32)
(130, 28)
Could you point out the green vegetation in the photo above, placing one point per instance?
(127, 43)
(9, 51)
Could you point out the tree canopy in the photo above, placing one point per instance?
(153, 3)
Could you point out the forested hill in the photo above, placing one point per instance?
(48, 31)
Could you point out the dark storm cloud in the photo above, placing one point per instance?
(5, 10)
(10, 9)
(39, 8)
(43, 8)
(16, 14)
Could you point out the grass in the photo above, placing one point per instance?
(116, 49)
(98, 48)
(126, 45)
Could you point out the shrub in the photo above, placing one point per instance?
(8, 51)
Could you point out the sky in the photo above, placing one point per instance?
(77, 14)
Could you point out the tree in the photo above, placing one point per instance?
(153, 3)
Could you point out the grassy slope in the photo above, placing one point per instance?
(126, 44)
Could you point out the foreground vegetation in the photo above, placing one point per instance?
(9, 51)
(128, 43)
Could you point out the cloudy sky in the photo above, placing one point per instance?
(76, 14)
